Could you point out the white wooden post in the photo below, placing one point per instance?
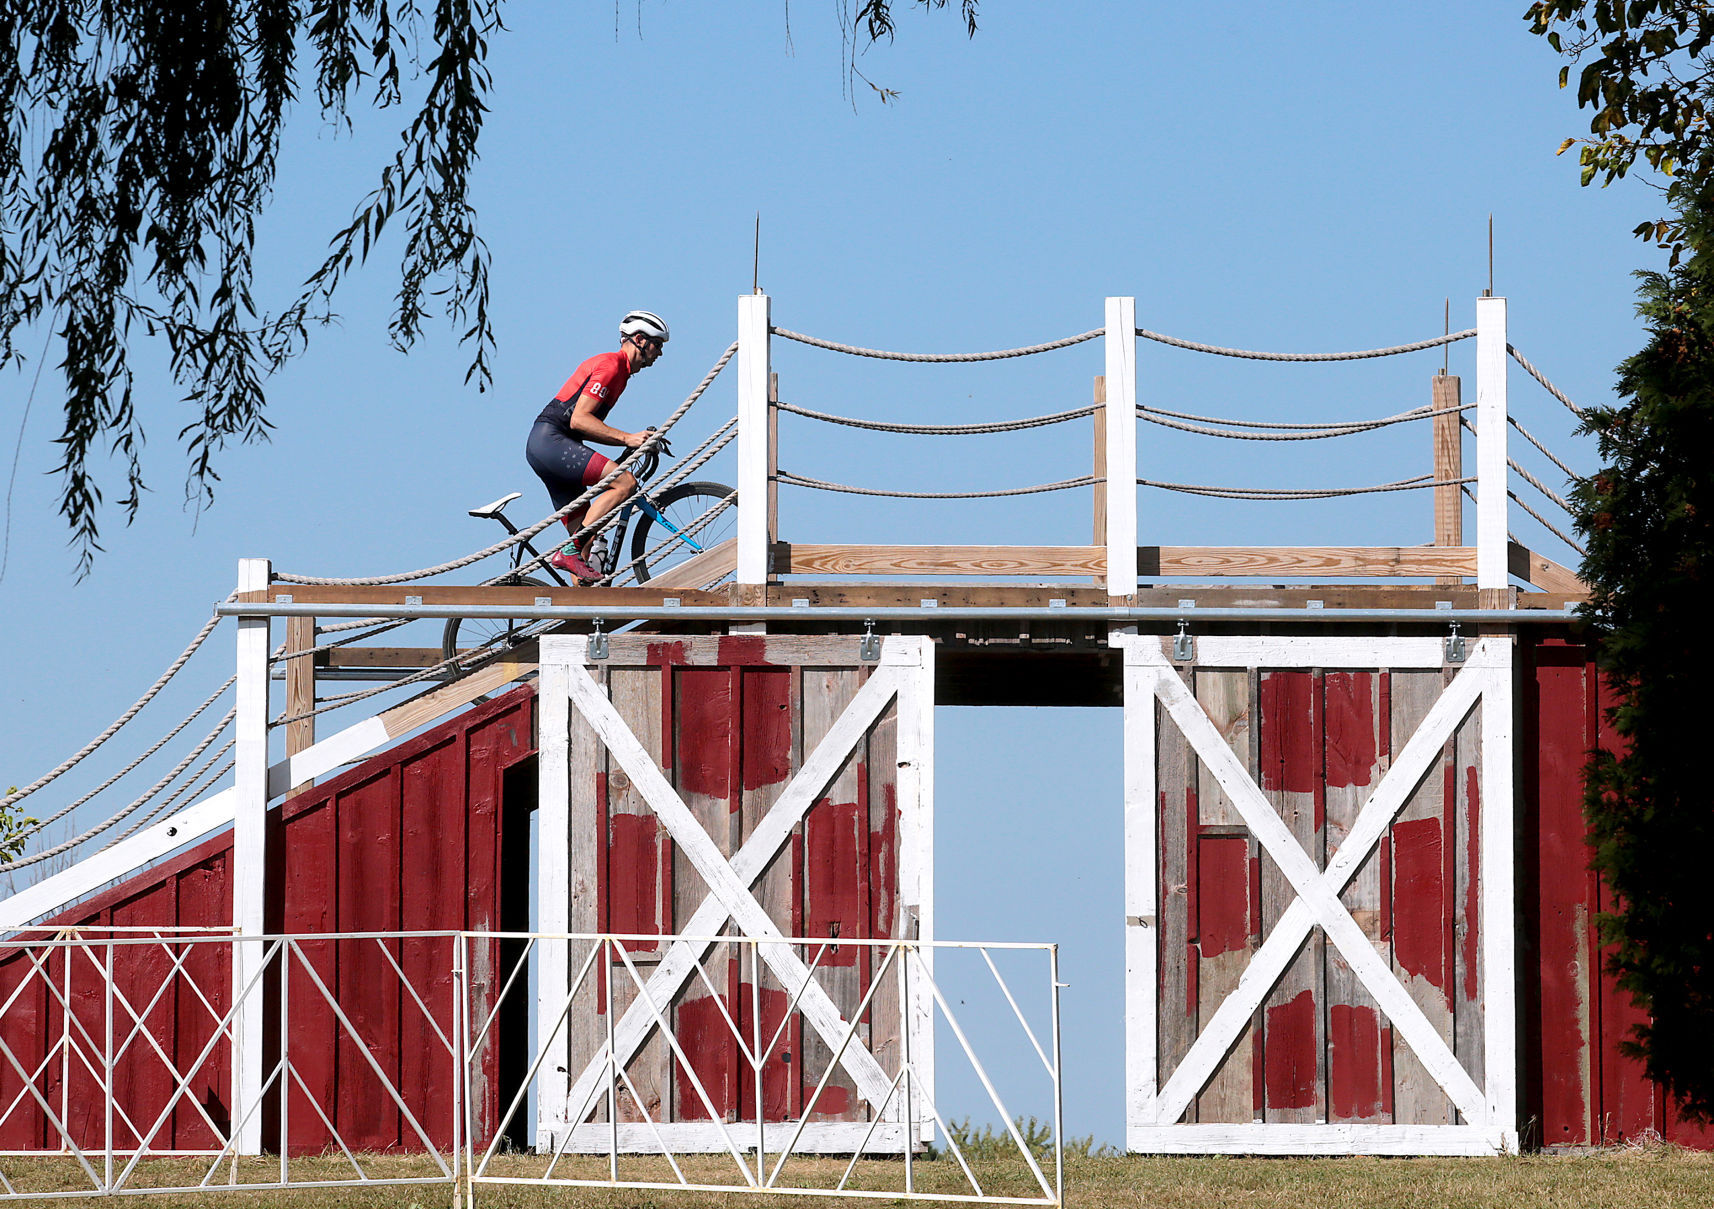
(915, 790)
(249, 857)
(1142, 939)
(553, 882)
(1491, 426)
(753, 369)
(1498, 901)
(1121, 446)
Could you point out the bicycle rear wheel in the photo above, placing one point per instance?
(655, 548)
(487, 633)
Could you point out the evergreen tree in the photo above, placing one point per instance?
(1649, 519)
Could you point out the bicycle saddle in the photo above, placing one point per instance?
(497, 507)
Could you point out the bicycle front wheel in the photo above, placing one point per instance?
(488, 634)
(685, 508)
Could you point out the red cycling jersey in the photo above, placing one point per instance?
(603, 377)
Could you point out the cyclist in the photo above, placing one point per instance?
(557, 451)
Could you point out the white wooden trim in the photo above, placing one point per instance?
(753, 370)
(1323, 903)
(1142, 859)
(352, 743)
(914, 656)
(90, 874)
(558, 654)
(1328, 1139)
(1121, 364)
(1295, 924)
(1151, 1114)
(1491, 471)
(726, 886)
(1344, 651)
(249, 853)
(1498, 902)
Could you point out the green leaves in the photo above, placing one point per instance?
(1648, 517)
(138, 146)
(1647, 79)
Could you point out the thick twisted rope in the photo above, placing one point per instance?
(524, 535)
(1252, 355)
(945, 430)
(1321, 493)
(1545, 524)
(19, 795)
(798, 480)
(1314, 433)
(193, 786)
(43, 824)
(1535, 373)
(1525, 433)
(941, 358)
(36, 857)
(1529, 478)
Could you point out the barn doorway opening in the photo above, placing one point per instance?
(1029, 846)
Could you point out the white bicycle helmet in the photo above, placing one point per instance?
(644, 323)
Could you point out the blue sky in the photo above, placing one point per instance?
(1294, 178)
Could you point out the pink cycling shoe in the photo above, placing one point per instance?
(573, 565)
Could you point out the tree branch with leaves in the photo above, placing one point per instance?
(139, 148)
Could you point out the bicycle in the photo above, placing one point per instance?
(667, 527)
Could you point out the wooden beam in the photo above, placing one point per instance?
(1542, 572)
(379, 656)
(1300, 562)
(300, 689)
(1448, 464)
(519, 662)
(693, 572)
(800, 559)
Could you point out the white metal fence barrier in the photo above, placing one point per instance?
(439, 1059)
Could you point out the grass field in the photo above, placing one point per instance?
(1655, 1177)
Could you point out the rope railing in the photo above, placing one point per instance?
(1548, 453)
(937, 358)
(1535, 373)
(798, 480)
(195, 784)
(24, 862)
(1545, 523)
(72, 761)
(1540, 486)
(1253, 355)
(41, 825)
(524, 535)
(1309, 432)
(1418, 483)
(945, 430)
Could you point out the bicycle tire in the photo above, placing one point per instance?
(683, 505)
(487, 632)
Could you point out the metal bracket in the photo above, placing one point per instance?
(1455, 652)
(869, 650)
(598, 648)
(1183, 645)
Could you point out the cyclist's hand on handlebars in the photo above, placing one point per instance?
(662, 448)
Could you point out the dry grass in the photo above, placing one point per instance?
(1655, 1177)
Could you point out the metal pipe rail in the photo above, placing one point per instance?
(859, 613)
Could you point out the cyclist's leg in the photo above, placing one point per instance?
(563, 464)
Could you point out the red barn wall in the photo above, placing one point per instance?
(1578, 1090)
(413, 839)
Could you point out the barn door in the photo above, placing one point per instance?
(1319, 896)
(754, 786)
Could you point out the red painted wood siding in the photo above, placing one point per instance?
(408, 840)
(1578, 1089)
